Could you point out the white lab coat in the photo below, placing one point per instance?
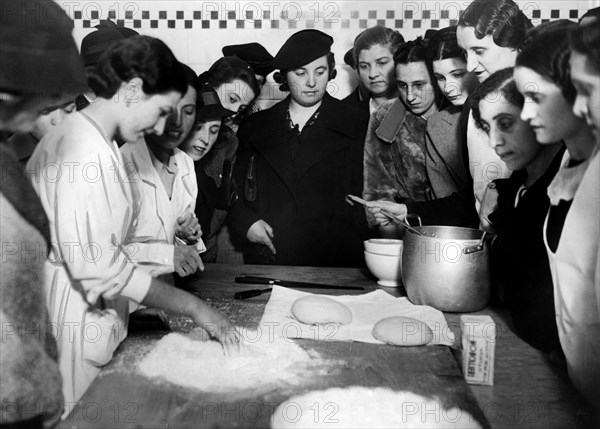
(79, 176)
(575, 268)
(157, 220)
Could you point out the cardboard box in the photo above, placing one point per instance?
(478, 348)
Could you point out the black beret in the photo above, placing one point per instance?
(302, 48)
(254, 54)
(208, 105)
(95, 43)
(126, 32)
(38, 53)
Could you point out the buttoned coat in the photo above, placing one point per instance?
(303, 201)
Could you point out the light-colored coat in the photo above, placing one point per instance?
(575, 268)
(157, 219)
(79, 177)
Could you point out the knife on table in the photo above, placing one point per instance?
(284, 283)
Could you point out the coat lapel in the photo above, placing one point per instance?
(270, 140)
(330, 125)
(140, 155)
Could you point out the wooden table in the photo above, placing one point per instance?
(528, 390)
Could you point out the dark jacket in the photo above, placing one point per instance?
(519, 258)
(303, 200)
(357, 100)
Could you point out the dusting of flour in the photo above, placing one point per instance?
(185, 360)
(363, 407)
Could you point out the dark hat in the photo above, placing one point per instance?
(208, 105)
(39, 55)
(349, 58)
(126, 32)
(254, 54)
(302, 48)
(95, 43)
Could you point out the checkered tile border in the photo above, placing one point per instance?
(286, 19)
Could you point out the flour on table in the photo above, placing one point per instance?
(185, 360)
(363, 407)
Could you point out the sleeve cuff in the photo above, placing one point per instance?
(138, 286)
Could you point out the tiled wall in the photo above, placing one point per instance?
(196, 30)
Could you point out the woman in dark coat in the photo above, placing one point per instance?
(296, 163)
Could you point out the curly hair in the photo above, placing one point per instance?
(143, 57)
(280, 76)
(546, 52)
(502, 19)
(378, 35)
(500, 83)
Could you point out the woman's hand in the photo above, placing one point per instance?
(188, 228)
(375, 207)
(489, 204)
(186, 260)
(218, 326)
(261, 232)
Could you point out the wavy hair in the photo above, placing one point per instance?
(501, 19)
(143, 57)
(500, 83)
(585, 40)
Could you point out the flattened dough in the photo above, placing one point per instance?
(402, 331)
(314, 310)
(364, 407)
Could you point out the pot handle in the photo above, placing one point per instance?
(477, 247)
(412, 216)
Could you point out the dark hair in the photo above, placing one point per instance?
(378, 35)
(585, 40)
(228, 69)
(279, 76)
(502, 19)
(190, 77)
(140, 56)
(415, 51)
(412, 51)
(546, 52)
(500, 83)
(443, 45)
(592, 13)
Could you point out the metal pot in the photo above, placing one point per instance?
(447, 268)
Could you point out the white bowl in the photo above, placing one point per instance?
(387, 268)
(384, 246)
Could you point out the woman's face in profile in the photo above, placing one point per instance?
(146, 115)
(545, 109)
(180, 121)
(308, 83)
(484, 57)
(202, 138)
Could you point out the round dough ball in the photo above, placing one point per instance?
(314, 310)
(402, 331)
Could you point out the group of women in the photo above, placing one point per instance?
(490, 123)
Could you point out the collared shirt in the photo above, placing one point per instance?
(166, 173)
